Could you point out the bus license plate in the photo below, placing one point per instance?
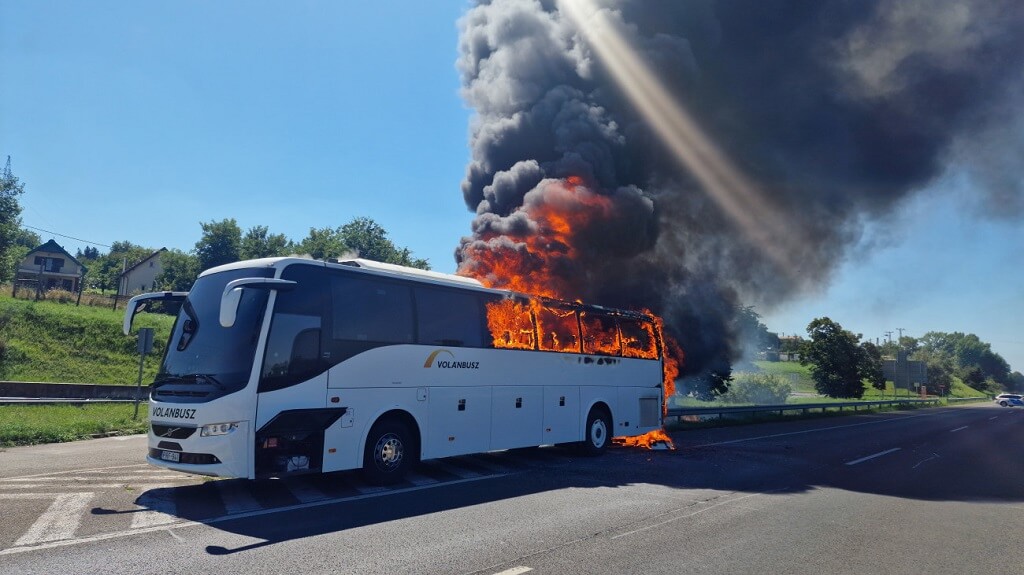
(170, 456)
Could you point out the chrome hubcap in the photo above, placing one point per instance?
(598, 433)
(389, 451)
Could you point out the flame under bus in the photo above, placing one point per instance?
(285, 365)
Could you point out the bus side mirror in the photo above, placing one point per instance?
(233, 295)
(141, 301)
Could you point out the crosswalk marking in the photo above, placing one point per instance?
(59, 521)
(417, 479)
(236, 499)
(304, 492)
(154, 510)
(82, 479)
(154, 505)
(456, 471)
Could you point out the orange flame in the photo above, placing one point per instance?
(646, 440)
(540, 259)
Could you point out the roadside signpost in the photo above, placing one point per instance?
(145, 345)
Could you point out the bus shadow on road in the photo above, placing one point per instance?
(791, 462)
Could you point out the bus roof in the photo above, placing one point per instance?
(425, 276)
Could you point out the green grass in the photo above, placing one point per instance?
(60, 342)
(33, 424)
(799, 376)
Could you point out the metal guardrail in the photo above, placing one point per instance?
(58, 401)
(679, 412)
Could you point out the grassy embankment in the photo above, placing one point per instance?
(32, 424)
(61, 343)
(799, 377)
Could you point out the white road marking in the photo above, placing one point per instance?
(25, 496)
(59, 521)
(156, 510)
(959, 428)
(879, 454)
(515, 571)
(370, 489)
(417, 479)
(101, 478)
(215, 520)
(934, 456)
(993, 417)
(456, 471)
(304, 492)
(235, 498)
(94, 469)
(90, 486)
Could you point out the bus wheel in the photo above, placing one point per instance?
(599, 426)
(389, 452)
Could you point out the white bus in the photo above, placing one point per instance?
(283, 366)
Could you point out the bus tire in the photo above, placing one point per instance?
(597, 434)
(389, 453)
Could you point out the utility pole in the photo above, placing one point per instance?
(888, 338)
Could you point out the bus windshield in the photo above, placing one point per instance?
(204, 360)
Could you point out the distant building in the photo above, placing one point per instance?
(141, 277)
(51, 267)
(905, 373)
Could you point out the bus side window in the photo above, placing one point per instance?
(600, 334)
(368, 313)
(559, 329)
(508, 323)
(293, 352)
(638, 339)
(448, 318)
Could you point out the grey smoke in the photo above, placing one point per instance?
(838, 109)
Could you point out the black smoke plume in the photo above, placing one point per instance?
(838, 110)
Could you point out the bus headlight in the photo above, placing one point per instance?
(218, 429)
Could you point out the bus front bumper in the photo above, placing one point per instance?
(218, 456)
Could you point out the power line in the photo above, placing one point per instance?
(64, 236)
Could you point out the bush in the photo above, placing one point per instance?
(60, 296)
(758, 388)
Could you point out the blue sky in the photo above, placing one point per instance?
(136, 121)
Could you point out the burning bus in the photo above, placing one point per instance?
(283, 366)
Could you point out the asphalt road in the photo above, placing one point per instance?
(928, 491)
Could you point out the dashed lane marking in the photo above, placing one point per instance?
(870, 457)
(958, 429)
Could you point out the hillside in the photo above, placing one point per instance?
(59, 342)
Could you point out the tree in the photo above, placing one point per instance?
(838, 364)
(259, 243)
(180, 270)
(221, 243)
(871, 368)
(752, 334)
(10, 221)
(105, 272)
(323, 243)
(972, 360)
(1016, 382)
(370, 241)
(89, 254)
